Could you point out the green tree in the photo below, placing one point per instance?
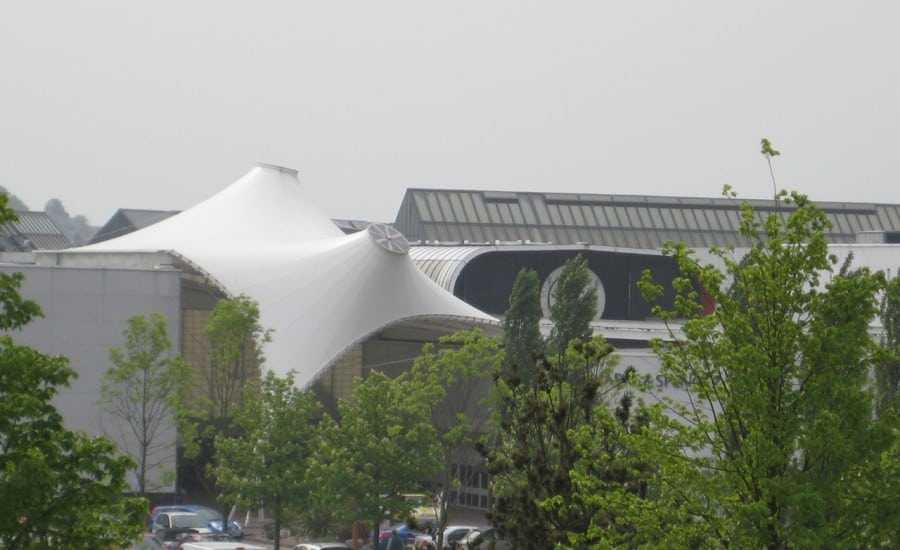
(622, 484)
(267, 465)
(887, 372)
(235, 340)
(143, 390)
(522, 340)
(574, 307)
(540, 425)
(781, 447)
(57, 487)
(76, 228)
(14, 202)
(457, 374)
(534, 450)
(233, 364)
(381, 446)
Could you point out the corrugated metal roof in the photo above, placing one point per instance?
(443, 263)
(33, 231)
(632, 221)
(126, 220)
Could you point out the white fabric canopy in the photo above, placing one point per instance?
(320, 291)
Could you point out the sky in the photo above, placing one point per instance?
(160, 104)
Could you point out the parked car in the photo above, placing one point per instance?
(489, 539)
(168, 525)
(214, 519)
(454, 533)
(221, 545)
(322, 546)
(148, 541)
(467, 542)
(406, 533)
(424, 541)
(186, 539)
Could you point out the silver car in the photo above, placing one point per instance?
(322, 546)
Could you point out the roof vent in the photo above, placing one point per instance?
(388, 238)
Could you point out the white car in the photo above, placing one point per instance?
(220, 545)
(322, 546)
(452, 534)
(487, 539)
(169, 525)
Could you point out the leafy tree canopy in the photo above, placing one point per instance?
(779, 441)
(550, 400)
(380, 447)
(58, 488)
(268, 465)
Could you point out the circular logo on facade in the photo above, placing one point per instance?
(549, 285)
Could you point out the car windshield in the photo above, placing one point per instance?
(182, 521)
(147, 542)
(208, 514)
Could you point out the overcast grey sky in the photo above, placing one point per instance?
(115, 104)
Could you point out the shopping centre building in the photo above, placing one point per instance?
(344, 297)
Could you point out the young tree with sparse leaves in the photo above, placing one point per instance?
(233, 364)
(58, 488)
(457, 370)
(143, 391)
(781, 449)
(267, 464)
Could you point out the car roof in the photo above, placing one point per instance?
(183, 507)
(221, 546)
